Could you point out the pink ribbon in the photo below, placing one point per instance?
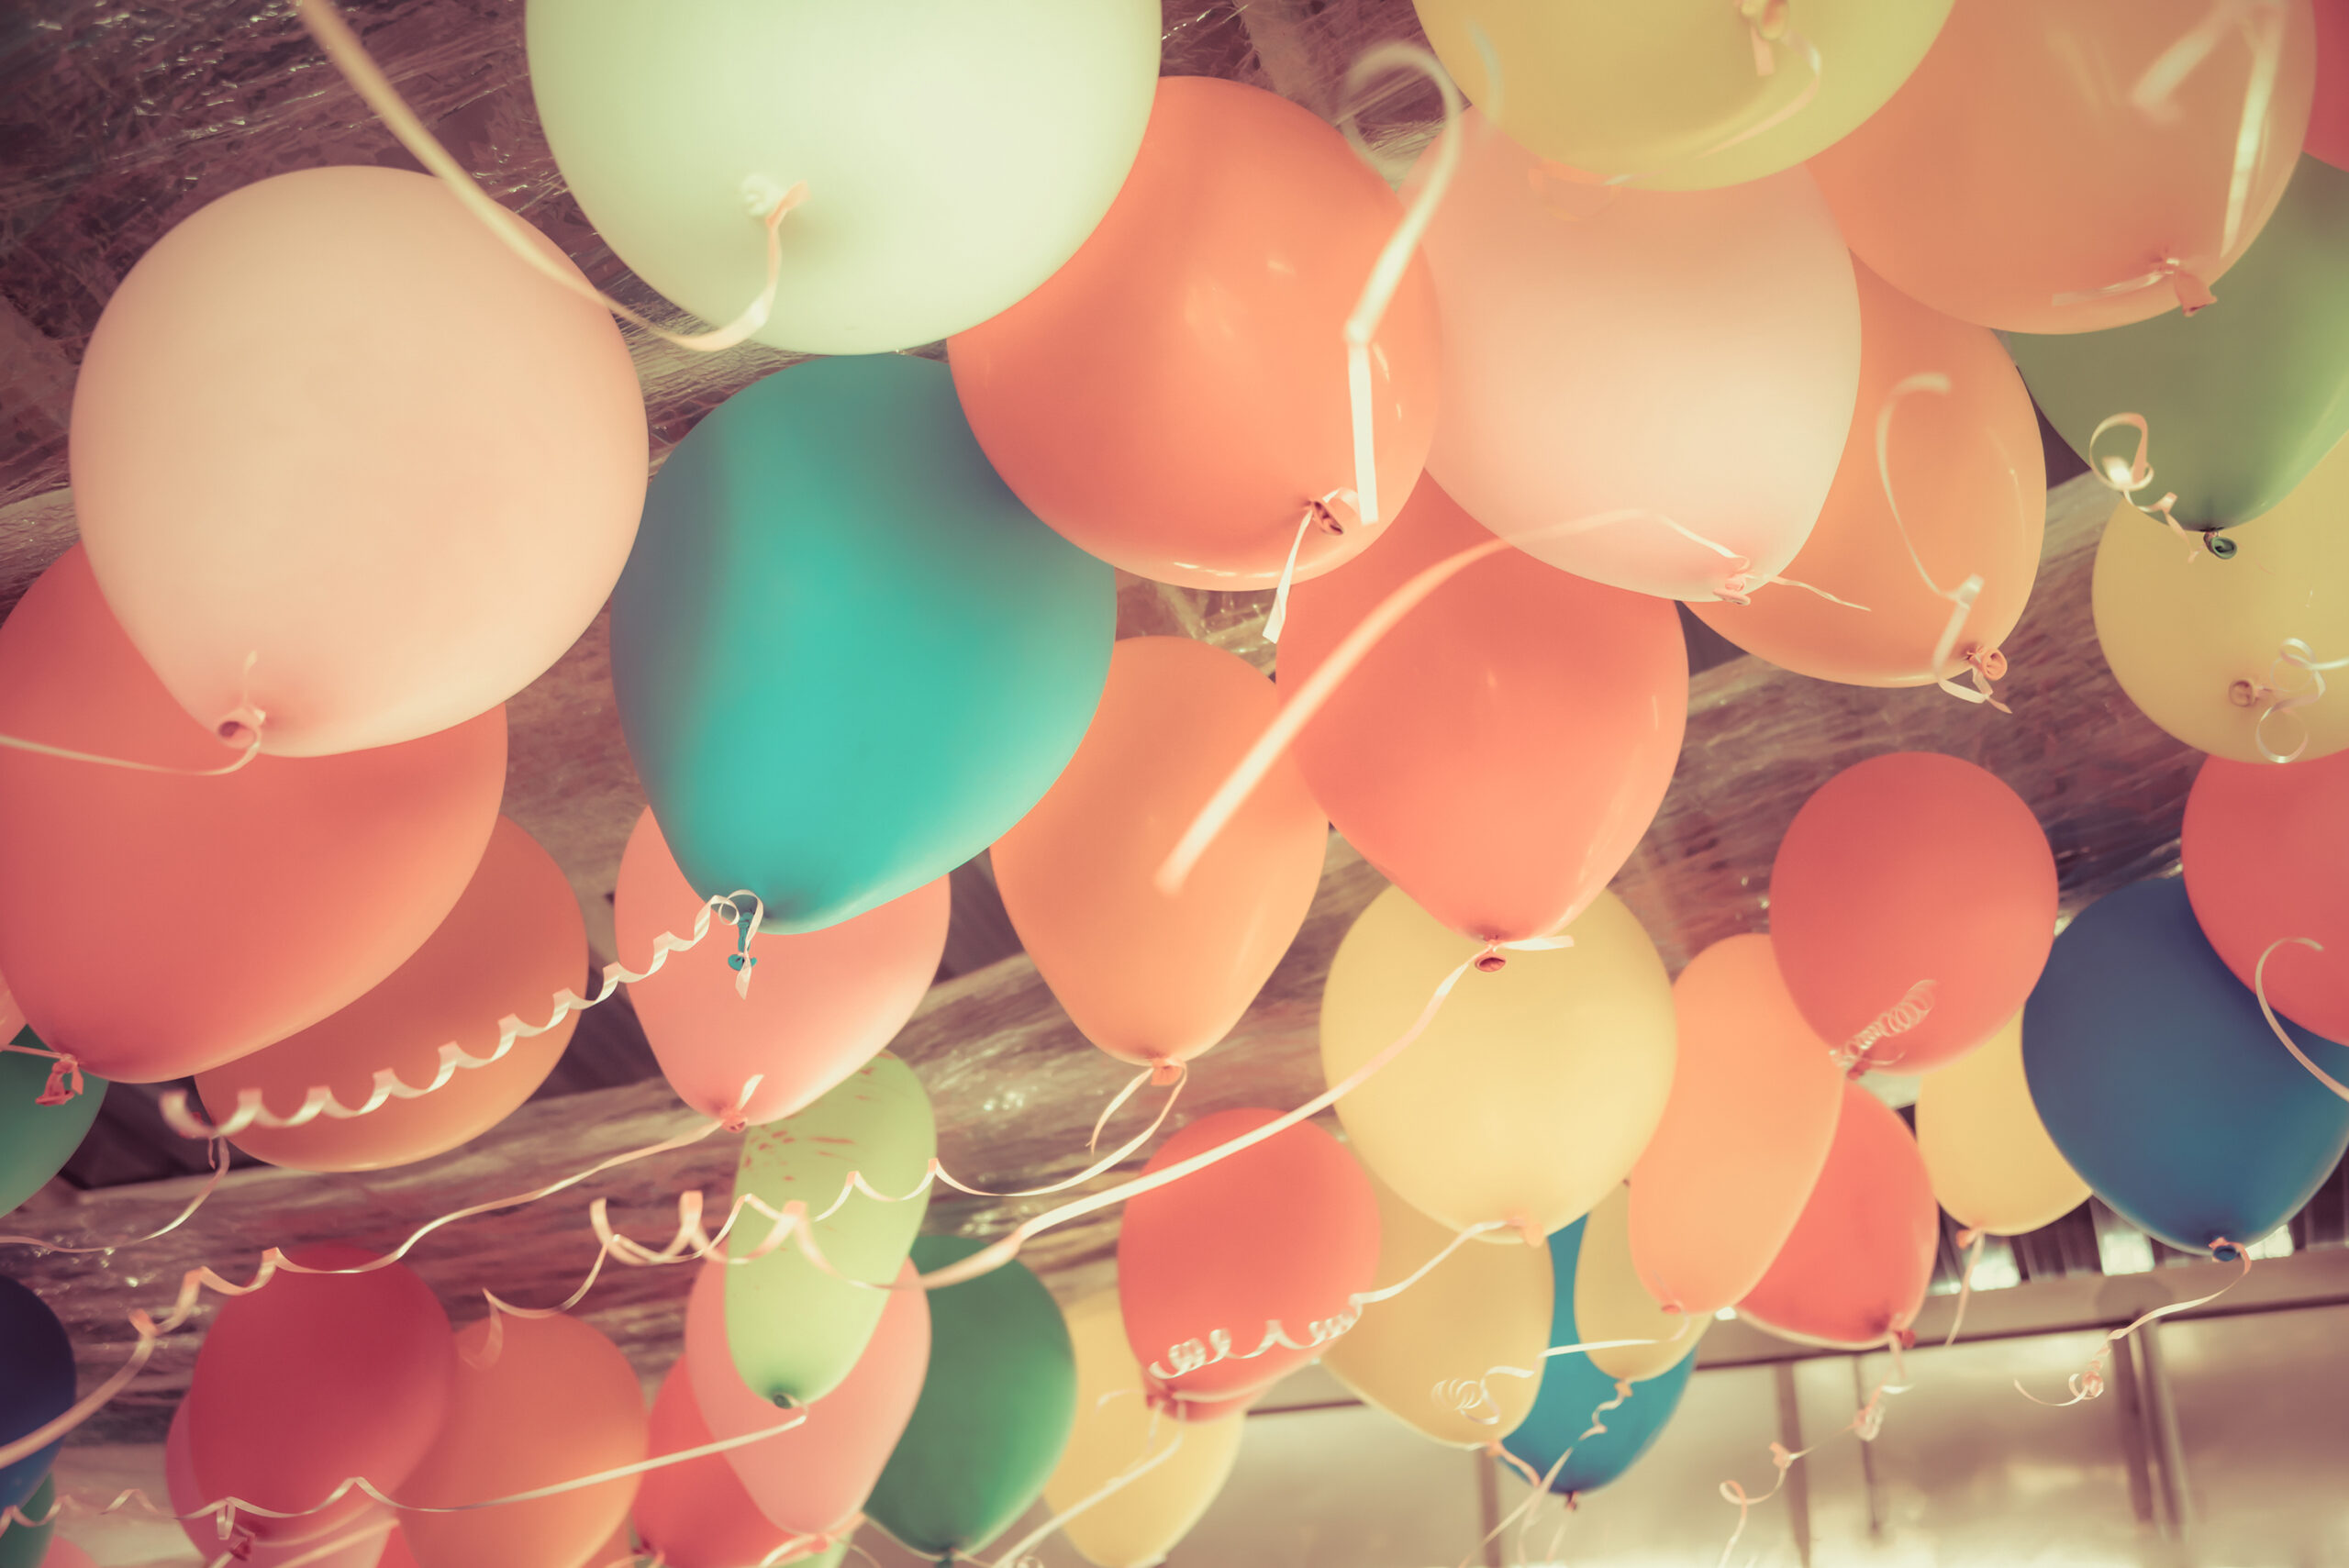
(1856, 1056)
(2088, 1382)
(2272, 699)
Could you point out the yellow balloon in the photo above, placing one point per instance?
(1535, 1088)
(1138, 1523)
(1612, 1304)
(1417, 1355)
(1990, 1160)
(1669, 90)
(2200, 644)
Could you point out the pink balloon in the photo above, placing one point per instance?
(64, 1554)
(821, 1003)
(366, 1534)
(1683, 355)
(333, 425)
(813, 1478)
(696, 1515)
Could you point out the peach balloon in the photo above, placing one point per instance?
(696, 1515)
(515, 939)
(1151, 978)
(437, 500)
(64, 1554)
(2033, 175)
(1649, 389)
(1174, 398)
(360, 1544)
(1755, 1099)
(1961, 445)
(821, 1003)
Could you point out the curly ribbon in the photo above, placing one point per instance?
(240, 727)
(2259, 989)
(2127, 479)
(763, 200)
(1987, 664)
(1866, 1424)
(1856, 1055)
(64, 1080)
(1540, 1484)
(1469, 1395)
(1733, 1491)
(2272, 699)
(220, 1169)
(1970, 1241)
(2088, 1382)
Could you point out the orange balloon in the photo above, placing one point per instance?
(1971, 481)
(1857, 1263)
(2030, 176)
(1499, 753)
(1174, 398)
(1754, 1104)
(536, 1400)
(384, 840)
(514, 940)
(696, 1515)
(1149, 978)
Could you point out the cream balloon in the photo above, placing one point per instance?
(1612, 1304)
(954, 155)
(1413, 1355)
(1535, 1086)
(1987, 1152)
(1116, 1431)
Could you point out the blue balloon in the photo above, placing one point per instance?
(1572, 1389)
(2161, 1083)
(36, 1383)
(847, 658)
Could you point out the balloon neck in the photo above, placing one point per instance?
(64, 1080)
(1492, 961)
(1336, 513)
(2192, 293)
(1905, 1338)
(1529, 1232)
(2226, 1252)
(1164, 1071)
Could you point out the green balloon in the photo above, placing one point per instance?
(23, 1546)
(995, 1411)
(37, 1140)
(796, 1330)
(2240, 399)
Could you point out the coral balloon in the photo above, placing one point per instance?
(2266, 853)
(1282, 1235)
(514, 940)
(36, 1140)
(390, 836)
(1755, 1098)
(2037, 173)
(443, 495)
(1534, 1088)
(64, 1554)
(1963, 457)
(696, 1515)
(2327, 135)
(1500, 752)
(821, 1003)
(1856, 1265)
(1150, 978)
(1646, 389)
(361, 1543)
(1911, 905)
(1186, 444)
(36, 1385)
(1611, 1302)
(1988, 1155)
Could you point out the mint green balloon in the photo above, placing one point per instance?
(2241, 398)
(37, 1140)
(994, 1413)
(795, 1330)
(24, 1546)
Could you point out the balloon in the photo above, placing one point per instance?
(2160, 1082)
(1911, 904)
(1755, 1098)
(696, 1515)
(1987, 1153)
(2205, 645)
(1186, 443)
(2240, 402)
(1501, 751)
(436, 504)
(514, 940)
(2264, 851)
(996, 1409)
(1668, 95)
(1855, 1267)
(36, 1139)
(1285, 1232)
(951, 159)
(1153, 979)
(847, 658)
(1652, 392)
(796, 1332)
(2327, 135)
(362, 1542)
(811, 1479)
(64, 1554)
(1482, 1307)
(821, 1003)
(1532, 1091)
(1117, 1432)
(270, 1403)
(36, 1385)
(389, 837)
(2024, 179)
(24, 1545)
(1612, 1303)
(537, 1400)
(1972, 488)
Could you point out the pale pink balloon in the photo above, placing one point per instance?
(1689, 360)
(64, 1554)
(357, 1543)
(814, 1477)
(820, 1005)
(331, 423)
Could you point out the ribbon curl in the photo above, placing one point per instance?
(2088, 1382)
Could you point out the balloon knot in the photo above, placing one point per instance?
(2226, 1252)
(2193, 294)
(1492, 961)
(64, 1080)
(1164, 1071)
(1529, 1232)
(1905, 1338)
(1337, 512)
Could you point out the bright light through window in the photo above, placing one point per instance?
(2277, 1245)
(2123, 1250)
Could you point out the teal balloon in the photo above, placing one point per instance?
(995, 1412)
(23, 1546)
(1573, 1390)
(847, 658)
(36, 1140)
(2240, 398)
